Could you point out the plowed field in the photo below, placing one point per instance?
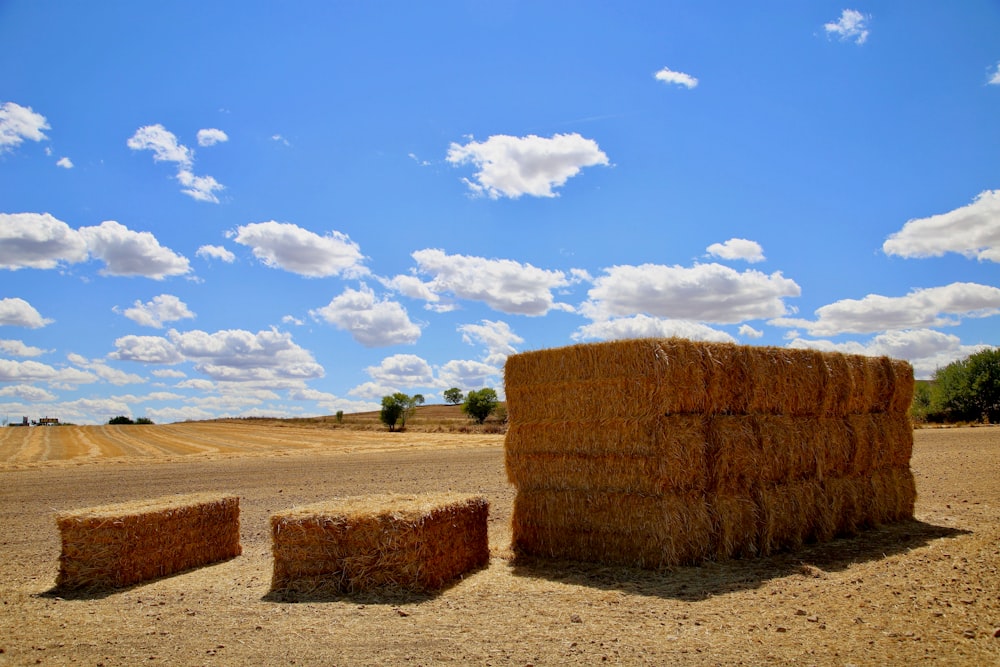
(926, 591)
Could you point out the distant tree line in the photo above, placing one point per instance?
(398, 407)
(122, 419)
(963, 391)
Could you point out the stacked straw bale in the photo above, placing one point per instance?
(660, 452)
(387, 545)
(114, 546)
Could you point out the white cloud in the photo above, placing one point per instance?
(667, 75)
(211, 136)
(925, 349)
(38, 241)
(749, 251)
(280, 139)
(748, 331)
(972, 230)
(532, 165)
(644, 326)
(168, 373)
(163, 308)
(65, 163)
(371, 322)
(331, 403)
(102, 370)
(166, 148)
(27, 392)
(216, 252)
(702, 293)
(402, 370)
(467, 375)
(497, 337)
(995, 79)
(290, 247)
(129, 253)
(18, 123)
(202, 188)
(16, 312)
(502, 284)
(164, 145)
(33, 371)
(374, 390)
(146, 349)
(242, 356)
(852, 24)
(17, 348)
(921, 308)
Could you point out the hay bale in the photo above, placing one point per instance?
(791, 514)
(785, 381)
(835, 446)
(639, 456)
(790, 448)
(614, 528)
(903, 386)
(113, 546)
(386, 544)
(734, 520)
(892, 494)
(734, 454)
(847, 498)
(729, 379)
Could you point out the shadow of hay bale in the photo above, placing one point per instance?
(700, 582)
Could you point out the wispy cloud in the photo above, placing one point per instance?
(852, 24)
(166, 148)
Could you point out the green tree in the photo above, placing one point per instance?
(143, 420)
(398, 408)
(121, 419)
(453, 396)
(969, 389)
(340, 416)
(480, 404)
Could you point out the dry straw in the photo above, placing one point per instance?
(383, 545)
(113, 546)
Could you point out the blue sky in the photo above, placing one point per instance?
(293, 209)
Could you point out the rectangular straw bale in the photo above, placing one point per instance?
(836, 447)
(791, 514)
(648, 456)
(629, 529)
(786, 381)
(883, 384)
(735, 520)
(790, 448)
(895, 433)
(113, 546)
(729, 379)
(847, 498)
(903, 385)
(838, 397)
(892, 495)
(870, 450)
(862, 384)
(384, 544)
(637, 397)
(734, 454)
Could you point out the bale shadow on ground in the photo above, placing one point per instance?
(700, 582)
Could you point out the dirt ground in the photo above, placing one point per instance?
(925, 591)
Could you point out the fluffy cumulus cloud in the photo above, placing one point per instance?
(497, 337)
(147, 350)
(733, 249)
(921, 308)
(211, 136)
(283, 245)
(16, 312)
(402, 370)
(644, 326)
(852, 24)
(101, 369)
(502, 284)
(668, 75)
(17, 348)
(33, 371)
(65, 163)
(532, 165)
(27, 392)
(38, 241)
(972, 230)
(166, 148)
(466, 374)
(18, 123)
(927, 350)
(702, 293)
(162, 309)
(130, 253)
(370, 321)
(242, 356)
(995, 78)
(216, 252)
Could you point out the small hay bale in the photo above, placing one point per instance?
(734, 454)
(838, 398)
(895, 431)
(790, 514)
(847, 498)
(387, 544)
(625, 437)
(835, 445)
(113, 546)
(903, 386)
(622, 529)
(892, 495)
(735, 521)
(866, 451)
(786, 381)
(729, 379)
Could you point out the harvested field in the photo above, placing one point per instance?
(924, 591)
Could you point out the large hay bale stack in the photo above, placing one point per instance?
(387, 545)
(659, 452)
(113, 546)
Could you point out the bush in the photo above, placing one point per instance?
(963, 391)
(480, 404)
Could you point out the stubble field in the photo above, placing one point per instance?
(925, 591)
